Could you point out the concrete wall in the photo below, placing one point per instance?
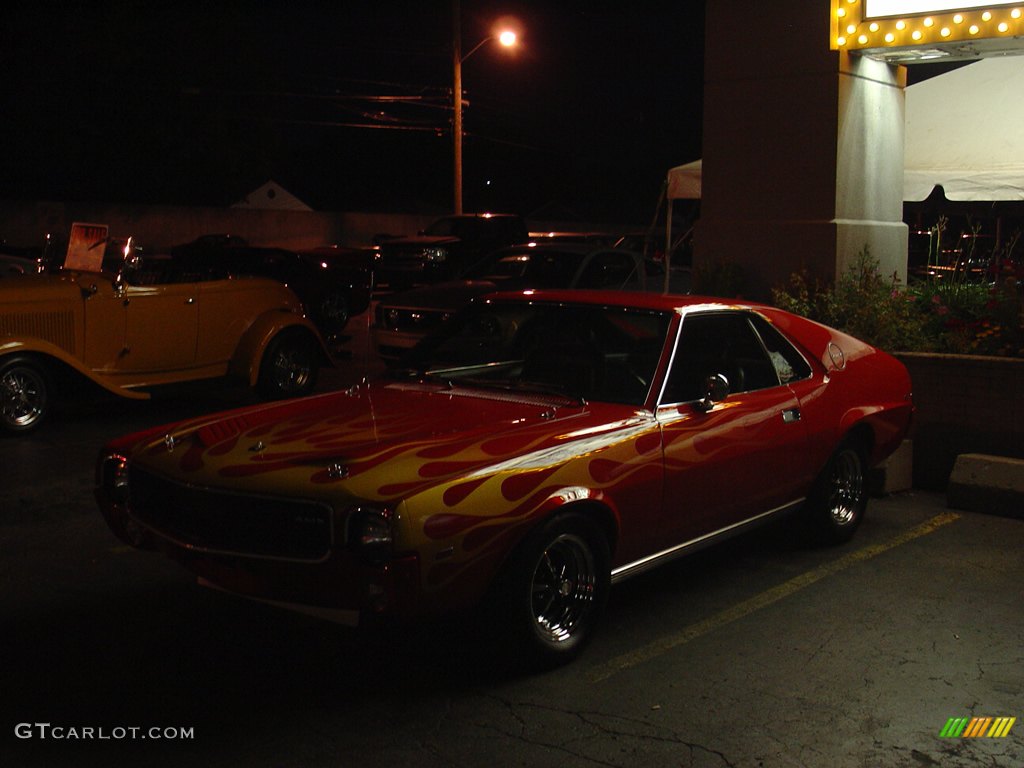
(965, 404)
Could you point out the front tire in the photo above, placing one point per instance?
(839, 499)
(554, 589)
(289, 367)
(24, 395)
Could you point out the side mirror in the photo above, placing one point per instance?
(715, 390)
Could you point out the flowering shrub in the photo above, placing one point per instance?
(949, 314)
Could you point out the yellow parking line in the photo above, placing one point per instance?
(766, 598)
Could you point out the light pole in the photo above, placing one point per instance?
(507, 38)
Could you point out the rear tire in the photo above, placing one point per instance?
(839, 499)
(289, 367)
(24, 395)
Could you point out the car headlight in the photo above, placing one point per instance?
(370, 533)
(114, 477)
(435, 254)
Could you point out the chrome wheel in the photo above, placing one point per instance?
(549, 597)
(23, 396)
(847, 487)
(289, 366)
(563, 586)
(836, 506)
(292, 369)
(334, 314)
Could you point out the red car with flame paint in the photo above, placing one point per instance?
(539, 448)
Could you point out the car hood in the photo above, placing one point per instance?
(382, 443)
(449, 295)
(31, 289)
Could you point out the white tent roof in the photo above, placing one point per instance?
(964, 130)
(684, 181)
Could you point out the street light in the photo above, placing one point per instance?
(508, 39)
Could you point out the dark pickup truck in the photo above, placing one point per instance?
(445, 248)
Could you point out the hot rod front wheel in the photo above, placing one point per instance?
(24, 395)
(554, 589)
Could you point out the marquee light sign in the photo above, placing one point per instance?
(921, 29)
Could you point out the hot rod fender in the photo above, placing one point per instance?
(52, 355)
(245, 363)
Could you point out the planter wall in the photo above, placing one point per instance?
(965, 404)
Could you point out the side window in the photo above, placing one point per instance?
(789, 364)
(606, 270)
(718, 343)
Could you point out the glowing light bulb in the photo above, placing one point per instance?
(840, 41)
(916, 34)
(1003, 26)
(841, 12)
(929, 21)
(973, 29)
(873, 26)
(901, 25)
(889, 37)
(863, 39)
(945, 32)
(986, 16)
(958, 19)
(1015, 13)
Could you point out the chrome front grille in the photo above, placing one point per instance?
(214, 520)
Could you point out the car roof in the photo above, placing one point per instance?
(629, 299)
(541, 247)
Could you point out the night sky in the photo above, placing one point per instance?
(189, 103)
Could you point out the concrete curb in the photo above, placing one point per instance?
(991, 484)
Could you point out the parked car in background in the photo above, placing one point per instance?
(139, 322)
(17, 265)
(402, 319)
(20, 261)
(542, 446)
(446, 248)
(331, 292)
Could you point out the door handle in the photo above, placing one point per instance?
(791, 415)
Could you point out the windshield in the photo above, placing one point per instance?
(583, 352)
(453, 227)
(538, 269)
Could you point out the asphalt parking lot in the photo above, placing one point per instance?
(756, 653)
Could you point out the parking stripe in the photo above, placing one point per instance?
(740, 610)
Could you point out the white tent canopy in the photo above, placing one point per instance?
(964, 131)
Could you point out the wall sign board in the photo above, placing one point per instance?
(904, 31)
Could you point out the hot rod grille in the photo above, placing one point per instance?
(219, 521)
(55, 327)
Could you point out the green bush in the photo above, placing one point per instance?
(949, 314)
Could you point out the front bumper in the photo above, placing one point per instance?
(338, 585)
(391, 345)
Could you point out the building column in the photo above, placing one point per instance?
(802, 148)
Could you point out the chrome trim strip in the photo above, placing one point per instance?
(651, 561)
